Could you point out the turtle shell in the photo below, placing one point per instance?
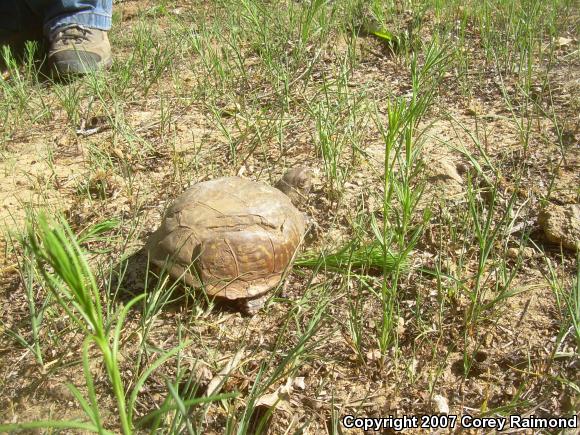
(234, 237)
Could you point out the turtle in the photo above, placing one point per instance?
(234, 237)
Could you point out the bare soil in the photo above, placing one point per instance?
(51, 166)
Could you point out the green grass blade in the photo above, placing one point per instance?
(90, 411)
(50, 424)
(154, 366)
(171, 407)
(385, 35)
(121, 321)
(367, 257)
(95, 415)
(181, 407)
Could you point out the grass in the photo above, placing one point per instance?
(411, 284)
(67, 275)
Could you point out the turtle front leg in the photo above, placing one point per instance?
(250, 306)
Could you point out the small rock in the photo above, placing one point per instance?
(526, 253)
(230, 110)
(488, 339)
(60, 393)
(443, 174)
(299, 383)
(446, 170)
(561, 225)
(62, 141)
(204, 374)
(440, 404)
(475, 108)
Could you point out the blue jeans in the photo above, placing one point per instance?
(19, 15)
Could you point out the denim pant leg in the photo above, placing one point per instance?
(91, 13)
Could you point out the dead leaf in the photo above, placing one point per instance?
(279, 399)
(562, 42)
(94, 125)
(118, 153)
(216, 383)
(400, 325)
(374, 355)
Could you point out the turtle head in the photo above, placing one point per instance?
(296, 183)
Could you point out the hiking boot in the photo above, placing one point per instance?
(75, 49)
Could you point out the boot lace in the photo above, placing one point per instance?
(72, 33)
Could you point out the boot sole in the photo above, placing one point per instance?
(64, 69)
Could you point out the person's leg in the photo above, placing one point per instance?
(77, 33)
(95, 14)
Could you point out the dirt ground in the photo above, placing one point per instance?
(177, 133)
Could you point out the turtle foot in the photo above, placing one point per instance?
(251, 306)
